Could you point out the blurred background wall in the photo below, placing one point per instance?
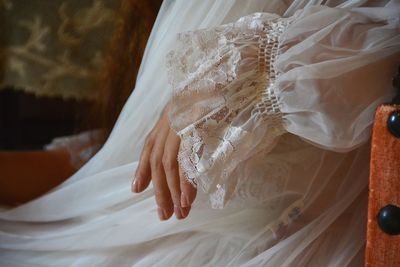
(66, 69)
(51, 56)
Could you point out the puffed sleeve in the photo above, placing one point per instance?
(238, 87)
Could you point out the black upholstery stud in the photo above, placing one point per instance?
(389, 219)
(393, 123)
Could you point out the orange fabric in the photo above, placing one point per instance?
(25, 175)
(382, 249)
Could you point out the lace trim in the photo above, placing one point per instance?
(268, 107)
(213, 143)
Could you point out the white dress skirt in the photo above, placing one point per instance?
(273, 101)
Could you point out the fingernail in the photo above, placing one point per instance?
(185, 202)
(135, 186)
(185, 212)
(162, 214)
(178, 212)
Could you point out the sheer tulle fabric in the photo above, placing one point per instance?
(238, 87)
(304, 206)
(80, 147)
(334, 73)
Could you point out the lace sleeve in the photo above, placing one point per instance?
(223, 106)
(237, 88)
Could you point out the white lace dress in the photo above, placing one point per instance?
(274, 113)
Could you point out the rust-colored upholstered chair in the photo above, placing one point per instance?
(383, 235)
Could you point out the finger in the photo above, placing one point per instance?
(161, 190)
(163, 197)
(143, 171)
(188, 190)
(170, 164)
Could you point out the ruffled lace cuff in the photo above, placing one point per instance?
(224, 107)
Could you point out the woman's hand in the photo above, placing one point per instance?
(158, 163)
